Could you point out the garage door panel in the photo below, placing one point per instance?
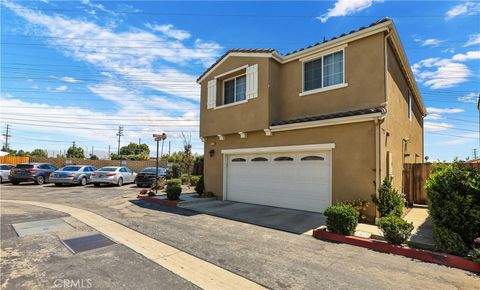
(297, 184)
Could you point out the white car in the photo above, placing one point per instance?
(5, 171)
(113, 175)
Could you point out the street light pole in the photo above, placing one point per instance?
(158, 137)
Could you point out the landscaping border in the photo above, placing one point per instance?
(159, 201)
(423, 255)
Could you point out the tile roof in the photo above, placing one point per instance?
(381, 109)
(271, 50)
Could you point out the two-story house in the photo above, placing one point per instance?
(319, 125)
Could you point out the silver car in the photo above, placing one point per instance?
(72, 174)
(5, 171)
(113, 175)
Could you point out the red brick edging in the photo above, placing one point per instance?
(424, 255)
(159, 201)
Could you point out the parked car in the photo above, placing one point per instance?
(5, 172)
(146, 177)
(72, 174)
(39, 173)
(113, 175)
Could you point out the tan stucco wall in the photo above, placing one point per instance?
(353, 159)
(249, 116)
(397, 126)
(364, 74)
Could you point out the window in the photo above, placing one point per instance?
(312, 158)
(235, 90)
(323, 72)
(239, 160)
(283, 158)
(409, 105)
(123, 169)
(256, 159)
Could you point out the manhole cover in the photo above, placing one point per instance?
(41, 227)
(82, 244)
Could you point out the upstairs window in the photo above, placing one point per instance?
(323, 72)
(234, 90)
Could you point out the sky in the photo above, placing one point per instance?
(77, 70)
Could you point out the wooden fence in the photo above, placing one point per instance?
(13, 159)
(414, 178)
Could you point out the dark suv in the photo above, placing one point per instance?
(39, 173)
(146, 177)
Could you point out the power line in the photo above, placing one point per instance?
(449, 135)
(106, 124)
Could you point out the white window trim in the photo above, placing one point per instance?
(235, 90)
(323, 89)
(230, 105)
(231, 71)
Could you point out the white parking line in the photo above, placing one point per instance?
(199, 272)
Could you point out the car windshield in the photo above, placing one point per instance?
(152, 170)
(108, 169)
(71, 168)
(24, 166)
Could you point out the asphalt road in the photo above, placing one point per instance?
(272, 258)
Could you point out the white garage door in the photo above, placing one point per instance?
(300, 180)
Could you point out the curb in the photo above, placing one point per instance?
(423, 255)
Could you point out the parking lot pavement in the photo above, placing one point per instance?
(41, 261)
(273, 258)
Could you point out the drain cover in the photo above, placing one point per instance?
(82, 244)
(41, 227)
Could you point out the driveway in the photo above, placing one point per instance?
(273, 258)
(289, 220)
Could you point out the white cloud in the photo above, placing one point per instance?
(59, 89)
(432, 42)
(470, 55)
(473, 39)
(433, 110)
(469, 98)
(129, 54)
(467, 8)
(440, 73)
(67, 79)
(346, 7)
(433, 127)
(168, 30)
(433, 116)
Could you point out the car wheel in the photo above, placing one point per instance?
(39, 180)
(96, 184)
(1, 180)
(139, 185)
(58, 184)
(15, 182)
(83, 181)
(120, 182)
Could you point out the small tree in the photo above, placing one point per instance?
(93, 157)
(389, 200)
(75, 152)
(39, 153)
(186, 158)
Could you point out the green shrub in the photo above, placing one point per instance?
(389, 200)
(361, 206)
(173, 191)
(185, 178)
(341, 219)
(395, 229)
(172, 181)
(173, 172)
(199, 186)
(454, 206)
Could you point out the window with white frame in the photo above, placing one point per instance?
(324, 71)
(234, 89)
(409, 105)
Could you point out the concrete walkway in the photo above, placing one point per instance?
(201, 273)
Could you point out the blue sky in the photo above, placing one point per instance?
(75, 71)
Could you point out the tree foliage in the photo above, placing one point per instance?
(75, 152)
(133, 151)
(39, 153)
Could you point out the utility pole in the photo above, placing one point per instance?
(108, 157)
(119, 134)
(169, 148)
(92, 150)
(139, 141)
(474, 154)
(73, 146)
(6, 137)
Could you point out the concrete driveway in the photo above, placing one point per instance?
(289, 220)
